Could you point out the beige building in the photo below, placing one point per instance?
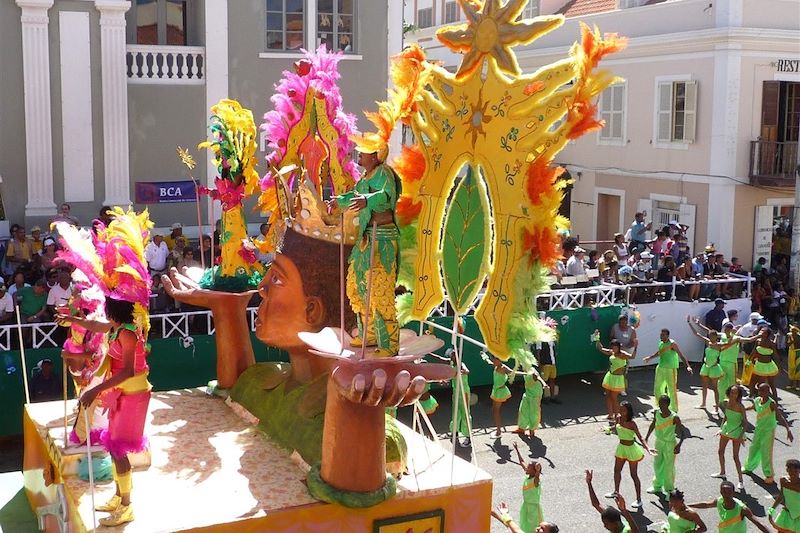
(703, 128)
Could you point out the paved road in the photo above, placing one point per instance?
(572, 441)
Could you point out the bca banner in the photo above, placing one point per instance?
(165, 192)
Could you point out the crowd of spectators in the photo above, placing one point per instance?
(651, 267)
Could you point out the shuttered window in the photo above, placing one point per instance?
(612, 112)
(677, 111)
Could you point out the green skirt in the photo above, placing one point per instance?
(500, 394)
(614, 382)
(430, 405)
(630, 452)
(765, 369)
(712, 372)
(785, 521)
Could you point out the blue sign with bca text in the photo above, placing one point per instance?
(165, 192)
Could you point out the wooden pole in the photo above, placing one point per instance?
(342, 282)
(22, 356)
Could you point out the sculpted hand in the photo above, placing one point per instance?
(183, 288)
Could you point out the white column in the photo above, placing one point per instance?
(115, 101)
(394, 42)
(216, 76)
(38, 120)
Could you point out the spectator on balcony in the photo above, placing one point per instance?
(36, 240)
(45, 385)
(48, 255)
(686, 290)
(715, 317)
(156, 254)
(65, 216)
(19, 283)
(60, 293)
(665, 275)
(205, 251)
(620, 249)
(575, 266)
(175, 258)
(660, 245)
(639, 233)
(591, 263)
(189, 260)
(177, 232)
(33, 302)
(7, 314)
(760, 266)
(19, 252)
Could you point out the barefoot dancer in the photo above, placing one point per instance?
(500, 392)
(614, 380)
(767, 417)
(732, 511)
(628, 451)
(667, 426)
(788, 521)
(735, 420)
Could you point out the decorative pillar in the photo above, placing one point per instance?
(115, 101)
(38, 120)
(216, 78)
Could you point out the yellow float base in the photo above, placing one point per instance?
(210, 471)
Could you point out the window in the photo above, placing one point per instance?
(612, 112)
(451, 12)
(677, 111)
(158, 22)
(335, 24)
(531, 10)
(425, 17)
(285, 25)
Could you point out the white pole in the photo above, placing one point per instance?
(91, 469)
(794, 260)
(22, 356)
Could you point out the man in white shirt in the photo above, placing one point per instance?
(156, 254)
(19, 283)
(60, 293)
(575, 263)
(6, 305)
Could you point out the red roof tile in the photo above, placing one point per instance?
(577, 8)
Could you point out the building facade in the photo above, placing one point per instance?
(96, 95)
(702, 127)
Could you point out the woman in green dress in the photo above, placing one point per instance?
(628, 451)
(788, 521)
(530, 514)
(734, 422)
(681, 519)
(711, 370)
(614, 380)
(732, 512)
(765, 369)
(530, 407)
(500, 391)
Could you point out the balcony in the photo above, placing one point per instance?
(773, 163)
(165, 65)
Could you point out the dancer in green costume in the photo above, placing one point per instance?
(500, 391)
(614, 380)
(765, 368)
(502, 514)
(616, 521)
(628, 451)
(530, 407)
(732, 512)
(428, 402)
(711, 371)
(669, 357)
(667, 426)
(788, 521)
(461, 425)
(728, 357)
(681, 519)
(530, 514)
(767, 416)
(734, 422)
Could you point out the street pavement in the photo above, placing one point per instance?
(572, 441)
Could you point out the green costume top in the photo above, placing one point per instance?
(764, 351)
(616, 363)
(733, 428)
(791, 502)
(712, 356)
(677, 524)
(499, 390)
(464, 385)
(665, 430)
(766, 418)
(730, 354)
(731, 520)
(625, 434)
(531, 491)
(668, 359)
(533, 386)
(380, 189)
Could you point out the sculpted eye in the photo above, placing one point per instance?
(275, 280)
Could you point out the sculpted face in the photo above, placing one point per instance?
(285, 310)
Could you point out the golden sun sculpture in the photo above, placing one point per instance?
(493, 31)
(507, 127)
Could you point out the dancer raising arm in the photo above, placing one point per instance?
(614, 380)
(788, 521)
(711, 371)
(616, 521)
(732, 511)
(530, 515)
(734, 422)
(500, 391)
(530, 407)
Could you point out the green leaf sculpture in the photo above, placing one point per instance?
(464, 257)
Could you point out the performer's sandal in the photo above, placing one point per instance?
(111, 505)
(122, 515)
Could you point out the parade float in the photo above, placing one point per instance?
(471, 207)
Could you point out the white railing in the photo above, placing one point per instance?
(162, 326)
(166, 65)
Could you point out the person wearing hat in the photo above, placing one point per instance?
(156, 253)
(36, 240)
(575, 266)
(45, 385)
(177, 231)
(714, 318)
(48, 255)
(6, 304)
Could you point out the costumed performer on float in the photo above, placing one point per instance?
(372, 268)
(669, 438)
(85, 353)
(614, 380)
(116, 265)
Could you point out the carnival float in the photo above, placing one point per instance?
(470, 207)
